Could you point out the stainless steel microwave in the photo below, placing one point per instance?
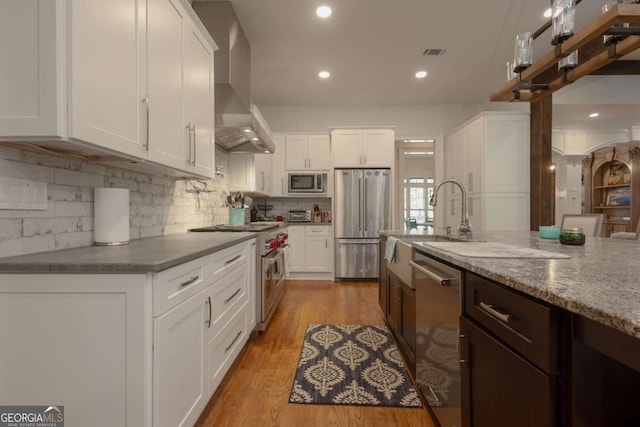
(311, 183)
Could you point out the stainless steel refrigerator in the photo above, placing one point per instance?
(362, 207)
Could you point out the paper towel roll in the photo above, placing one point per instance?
(111, 216)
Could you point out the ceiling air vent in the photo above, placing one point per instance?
(433, 52)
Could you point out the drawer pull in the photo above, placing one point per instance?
(490, 310)
(233, 342)
(209, 302)
(232, 259)
(189, 282)
(232, 296)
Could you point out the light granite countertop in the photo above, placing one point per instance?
(151, 254)
(600, 280)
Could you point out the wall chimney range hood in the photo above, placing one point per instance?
(239, 125)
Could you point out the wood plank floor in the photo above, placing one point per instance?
(255, 392)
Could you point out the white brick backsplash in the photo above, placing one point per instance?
(11, 169)
(63, 193)
(86, 194)
(94, 169)
(74, 209)
(157, 230)
(69, 177)
(37, 226)
(154, 189)
(50, 212)
(134, 233)
(9, 153)
(10, 228)
(27, 245)
(73, 240)
(86, 223)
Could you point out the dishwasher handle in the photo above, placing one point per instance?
(444, 281)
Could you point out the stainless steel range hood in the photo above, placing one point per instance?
(239, 125)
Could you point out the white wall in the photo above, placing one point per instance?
(409, 120)
(158, 205)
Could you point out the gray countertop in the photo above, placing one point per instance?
(601, 280)
(141, 255)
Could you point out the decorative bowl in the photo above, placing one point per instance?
(549, 232)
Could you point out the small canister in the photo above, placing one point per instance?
(572, 236)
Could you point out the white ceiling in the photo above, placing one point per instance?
(374, 47)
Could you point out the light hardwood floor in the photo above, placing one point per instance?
(255, 392)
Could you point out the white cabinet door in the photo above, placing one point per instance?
(278, 173)
(297, 251)
(29, 68)
(296, 152)
(168, 132)
(262, 167)
(179, 362)
(507, 154)
(346, 147)
(198, 69)
(319, 152)
(317, 254)
(377, 147)
(107, 69)
(472, 151)
(241, 172)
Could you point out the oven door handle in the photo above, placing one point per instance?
(444, 281)
(274, 259)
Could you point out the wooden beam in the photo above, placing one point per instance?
(541, 176)
(619, 68)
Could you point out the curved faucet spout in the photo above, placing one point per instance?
(464, 229)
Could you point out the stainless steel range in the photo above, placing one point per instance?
(270, 266)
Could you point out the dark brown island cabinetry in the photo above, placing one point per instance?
(508, 353)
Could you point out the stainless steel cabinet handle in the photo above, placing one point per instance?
(462, 358)
(194, 145)
(470, 183)
(360, 201)
(232, 296)
(309, 162)
(233, 342)
(444, 281)
(189, 282)
(209, 302)
(366, 213)
(262, 185)
(470, 205)
(365, 159)
(282, 179)
(188, 126)
(493, 312)
(145, 100)
(232, 259)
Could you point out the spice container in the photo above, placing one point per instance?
(572, 236)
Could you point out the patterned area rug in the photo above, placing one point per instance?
(352, 365)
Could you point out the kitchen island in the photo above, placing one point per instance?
(138, 335)
(579, 341)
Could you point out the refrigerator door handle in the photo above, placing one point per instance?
(365, 207)
(360, 214)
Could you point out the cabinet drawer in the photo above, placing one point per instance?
(523, 323)
(223, 349)
(227, 296)
(320, 230)
(177, 284)
(227, 260)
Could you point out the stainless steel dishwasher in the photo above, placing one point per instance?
(438, 308)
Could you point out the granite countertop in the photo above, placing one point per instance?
(151, 254)
(599, 281)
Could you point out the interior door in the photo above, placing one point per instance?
(348, 201)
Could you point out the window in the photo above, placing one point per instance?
(417, 192)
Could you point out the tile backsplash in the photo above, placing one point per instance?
(158, 205)
(281, 206)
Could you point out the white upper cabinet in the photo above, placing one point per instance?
(130, 78)
(363, 147)
(30, 71)
(250, 173)
(308, 152)
(278, 173)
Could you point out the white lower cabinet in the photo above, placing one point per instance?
(310, 249)
(179, 363)
(144, 349)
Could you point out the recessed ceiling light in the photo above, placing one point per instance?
(247, 130)
(324, 74)
(547, 13)
(418, 153)
(323, 11)
(594, 115)
(255, 139)
(421, 74)
(267, 152)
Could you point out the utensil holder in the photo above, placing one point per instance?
(236, 216)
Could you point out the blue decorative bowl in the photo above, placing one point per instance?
(549, 232)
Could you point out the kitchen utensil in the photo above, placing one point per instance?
(248, 201)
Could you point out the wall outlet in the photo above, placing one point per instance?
(21, 194)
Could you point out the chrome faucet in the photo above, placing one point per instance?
(464, 229)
